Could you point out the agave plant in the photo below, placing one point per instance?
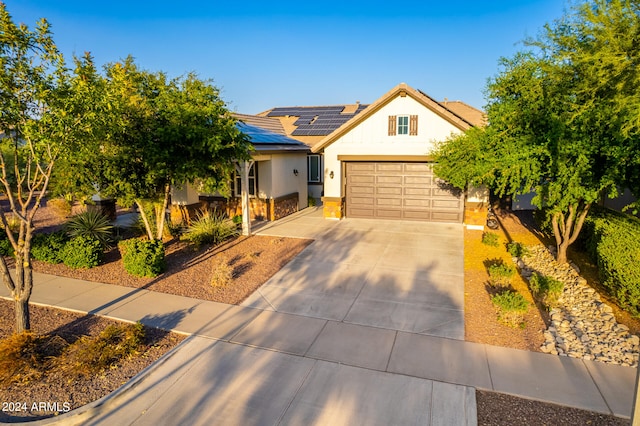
(92, 223)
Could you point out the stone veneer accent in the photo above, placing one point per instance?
(475, 214)
(333, 207)
(280, 207)
(259, 209)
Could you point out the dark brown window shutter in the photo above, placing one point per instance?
(413, 125)
(392, 125)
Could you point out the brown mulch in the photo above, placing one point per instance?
(69, 395)
(253, 260)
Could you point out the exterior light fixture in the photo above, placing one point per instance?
(295, 172)
(331, 174)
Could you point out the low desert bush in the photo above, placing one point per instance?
(91, 223)
(490, 239)
(546, 289)
(61, 207)
(222, 275)
(142, 258)
(19, 358)
(512, 306)
(210, 228)
(516, 249)
(90, 355)
(82, 252)
(500, 274)
(49, 247)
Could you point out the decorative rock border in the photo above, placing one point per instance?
(582, 326)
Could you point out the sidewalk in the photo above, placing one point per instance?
(294, 360)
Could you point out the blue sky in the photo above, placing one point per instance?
(266, 54)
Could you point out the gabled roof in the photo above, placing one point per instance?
(401, 90)
(264, 140)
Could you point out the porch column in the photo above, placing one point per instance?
(244, 182)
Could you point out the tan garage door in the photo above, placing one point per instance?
(407, 191)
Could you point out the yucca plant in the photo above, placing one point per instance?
(210, 228)
(91, 223)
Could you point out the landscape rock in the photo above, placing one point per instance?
(582, 326)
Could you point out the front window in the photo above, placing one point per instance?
(403, 125)
(313, 168)
(237, 187)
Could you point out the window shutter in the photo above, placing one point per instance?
(392, 125)
(413, 125)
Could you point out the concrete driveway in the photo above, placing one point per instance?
(397, 275)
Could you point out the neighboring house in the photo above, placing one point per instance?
(277, 177)
(377, 164)
(310, 124)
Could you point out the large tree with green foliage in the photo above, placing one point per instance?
(46, 111)
(163, 133)
(563, 118)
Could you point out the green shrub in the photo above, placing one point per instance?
(612, 240)
(237, 219)
(82, 252)
(6, 249)
(511, 307)
(311, 201)
(142, 258)
(490, 239)
(547, 289)
(210, 228)
(49, 247)
(516, 249)
(500, 274)
(91, 223)
(90, 355)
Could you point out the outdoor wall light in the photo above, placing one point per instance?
(295, 172)
(331, 174)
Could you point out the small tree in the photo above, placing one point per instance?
(45, 111)
(165, 132)
(563, 119)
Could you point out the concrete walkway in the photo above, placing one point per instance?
(251, 366)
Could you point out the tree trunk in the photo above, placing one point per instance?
(145, 220)
(561, 255)
(567, 228)
(23, 320)
(163, 212)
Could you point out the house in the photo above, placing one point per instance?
(377, 164)
(277, 177)
(311, 124)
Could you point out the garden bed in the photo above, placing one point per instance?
(55, 388)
